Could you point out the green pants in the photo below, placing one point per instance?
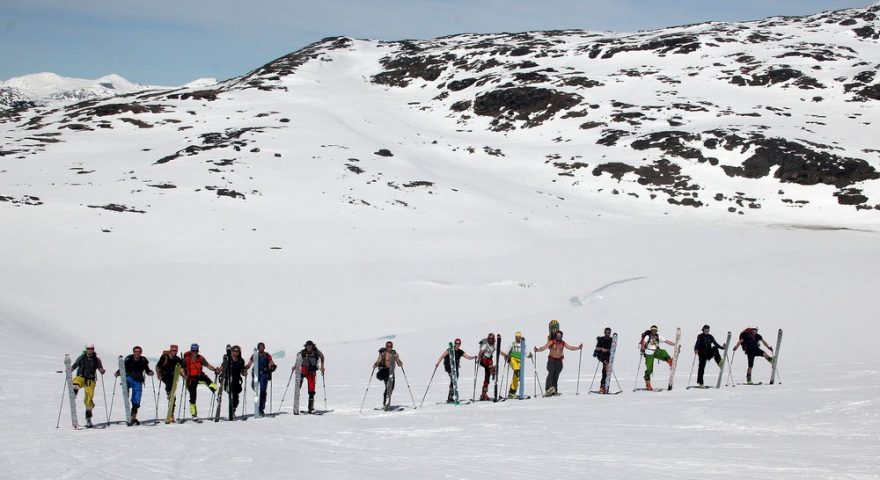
(659, 354)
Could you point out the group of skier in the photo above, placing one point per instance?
(190, 367)
(233, 369)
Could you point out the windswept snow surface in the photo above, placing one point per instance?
(279, 238)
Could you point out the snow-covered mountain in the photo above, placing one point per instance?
(356, 191)
(762, 118)
(53, 90)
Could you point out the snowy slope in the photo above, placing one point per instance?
(319, 197)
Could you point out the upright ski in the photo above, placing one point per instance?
(608, 375)
(453, 373)
(724, 359)
(169, 416)
(71, 393)
(224, 381)
(521, 393)
(255, 378)
(776, 357)
(676, 349)
(497, 364)
(297, 384)
(123, 383)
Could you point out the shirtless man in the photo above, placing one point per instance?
(554, 361)
(386, 362)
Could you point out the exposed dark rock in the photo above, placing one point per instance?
(610, 136)
(114, 207)
(402, 69)
(850, 196)
(616, 169)
(796, 163)
(461, 106)
(531, 104)
(383, 152)
(460, 84)
(25, 200)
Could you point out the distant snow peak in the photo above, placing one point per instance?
(51, 89)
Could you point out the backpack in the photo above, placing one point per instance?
(642, 343)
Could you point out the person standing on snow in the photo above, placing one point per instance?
(233, 371)
(514, 358)
(602, 352)
(444, 357)
(87, 366)
(387, 357)
(486, 355)
(309, 361)
(265, 367)
(192, 372)
(557, 348)
(135, 366)
(650, 346)
(751, 341)
(705, 348)
(165, 370)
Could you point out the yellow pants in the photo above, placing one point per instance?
(514, 381)
(89, 387)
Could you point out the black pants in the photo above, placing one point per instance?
(702, 367)
(234, 390)
(193, 383)
(554, 368)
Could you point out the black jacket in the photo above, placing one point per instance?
(706, 346)
(136, 368)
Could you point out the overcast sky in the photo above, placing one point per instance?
(171, 42)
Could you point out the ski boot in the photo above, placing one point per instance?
(669, 361)
(770, 359)
(193, 411)
(602, 389)
(749, 379)
(311, 404)
(648, 385)
(89, 419)
(134, 419)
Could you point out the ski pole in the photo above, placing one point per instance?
(244, 397)
(105, 399)
(594, 376)
(155, 395)
(638, 370)
(423, 396)
(324, 389)
(535, 369)
(506, 371)
(112, 399)
(407, 387)
(213, 394)
(271, 394)
(368, 389)
(61, 406)
(281, 406)
(578, 388)
(730, 380)
(619, 388)
(692, 369)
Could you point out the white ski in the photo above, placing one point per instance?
(676, 348)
